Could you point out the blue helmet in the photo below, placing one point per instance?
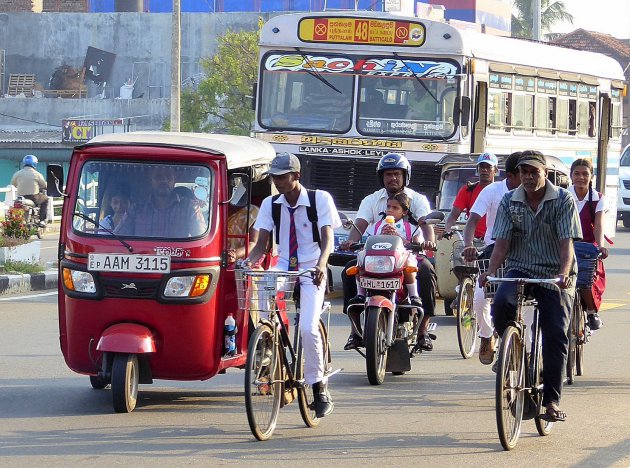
(393, 161)
(30, 160)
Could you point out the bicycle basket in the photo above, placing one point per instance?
(261, 291)
(490, 289)
(587, 255)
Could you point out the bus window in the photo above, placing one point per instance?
(562, 115)
(553, 115)
(523, 111)
(498, 110)
(572, 116)
(616, 120)
(542, 114)
(418, 106)
(294, 97)
(583, 118)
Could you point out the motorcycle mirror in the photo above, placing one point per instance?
(54, 181)
(434, 217)
(346, 222)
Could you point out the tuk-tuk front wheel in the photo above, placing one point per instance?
(125, 378)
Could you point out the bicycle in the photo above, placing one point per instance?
(579, 332)
(519, 393)
(274, 369)
(468, 273)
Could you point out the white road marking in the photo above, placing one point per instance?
(15, 298)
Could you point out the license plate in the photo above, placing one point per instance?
(379, 283)
(129, 263)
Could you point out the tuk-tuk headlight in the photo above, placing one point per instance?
(379, 264)
(187, 286)
(79, 281)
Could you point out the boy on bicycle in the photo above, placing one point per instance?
(534, 232)
(301, 245)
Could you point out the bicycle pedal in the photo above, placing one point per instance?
(336, 371)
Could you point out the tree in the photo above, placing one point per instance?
(222, 101)
(551, 12)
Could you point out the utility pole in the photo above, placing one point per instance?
(536, 26)
(176, 69)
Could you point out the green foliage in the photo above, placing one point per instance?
(22, 267)
(551, 12)
(223, 100)
(14, 225)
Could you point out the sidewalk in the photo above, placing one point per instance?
(24, 283)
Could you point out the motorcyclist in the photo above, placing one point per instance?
(394, 174)
(31, 185)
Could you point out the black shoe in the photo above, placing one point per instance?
(354, 341)
(358, 299)
(42, 224)
(322, 404)
(594, 322)
(415, 301)
(425, 343)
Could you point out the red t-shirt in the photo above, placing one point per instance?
(464, 200)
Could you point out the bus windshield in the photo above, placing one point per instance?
(397, 97)
(169, 201)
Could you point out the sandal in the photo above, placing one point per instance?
(354, 342)
(425, 343)
(553, 414)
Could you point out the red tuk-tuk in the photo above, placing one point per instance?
(145, 285)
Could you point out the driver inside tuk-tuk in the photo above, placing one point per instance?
(165, 213)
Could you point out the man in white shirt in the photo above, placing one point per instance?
(294, 202)
(394, 173)
(486, 204)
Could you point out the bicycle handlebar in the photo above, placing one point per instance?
(554, 281)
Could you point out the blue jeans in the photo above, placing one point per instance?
(554, 316)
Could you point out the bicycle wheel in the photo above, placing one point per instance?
(466, 319)
(573, 336)
(305, 393)
(543, 427)
(582, 337)
(375, 346)
(510, 388)
(263, 388)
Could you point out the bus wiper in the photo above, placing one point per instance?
(314, 73)
(416, 77)
(115, 236)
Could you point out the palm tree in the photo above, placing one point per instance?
(551, 12)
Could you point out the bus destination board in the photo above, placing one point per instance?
(343, 30)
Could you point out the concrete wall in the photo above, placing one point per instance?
(39, 43)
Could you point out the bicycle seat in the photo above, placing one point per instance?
(26, 201)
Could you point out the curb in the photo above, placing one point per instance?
(12, 284)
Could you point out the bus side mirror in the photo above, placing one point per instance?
(54, 181)
(461, 110)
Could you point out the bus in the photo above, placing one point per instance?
(340, 89)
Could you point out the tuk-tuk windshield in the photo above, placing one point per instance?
(144, 200)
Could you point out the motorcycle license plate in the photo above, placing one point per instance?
(380, 283)
(129, 263)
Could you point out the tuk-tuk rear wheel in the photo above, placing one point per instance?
(125, 379)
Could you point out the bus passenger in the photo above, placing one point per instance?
(394, 174)
(534, 231)
(591, 206)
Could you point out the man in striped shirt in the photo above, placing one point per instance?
(534, 232)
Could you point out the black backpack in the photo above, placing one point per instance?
(311, 212)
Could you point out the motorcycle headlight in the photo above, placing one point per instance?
(187, 286)
(379, 264)
(79, 281)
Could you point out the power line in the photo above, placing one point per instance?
(28, 120)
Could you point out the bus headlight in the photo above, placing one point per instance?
(379, 264)
(79, 281)
(187, 286)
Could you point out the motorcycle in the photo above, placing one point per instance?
(387, 322)
(31, 215)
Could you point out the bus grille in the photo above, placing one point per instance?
(350, 180)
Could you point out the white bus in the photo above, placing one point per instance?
(340, 89)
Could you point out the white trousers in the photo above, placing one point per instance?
(481, 306)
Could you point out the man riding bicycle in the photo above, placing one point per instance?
(394, 174)
(534, 230)
(30, 184)
(299, 248)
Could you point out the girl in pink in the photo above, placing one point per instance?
(398, 209)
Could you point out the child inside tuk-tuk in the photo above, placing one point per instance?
(118, 206)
